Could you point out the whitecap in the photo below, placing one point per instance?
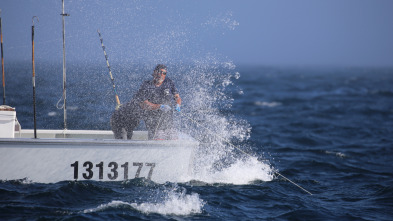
(72, 108)
(102, 207)
(52, 114)
(175, 203)
(338, 154)
(267, 104)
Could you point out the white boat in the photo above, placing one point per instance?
(59, 155)
(94, 155)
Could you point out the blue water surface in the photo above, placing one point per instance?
(327, 129)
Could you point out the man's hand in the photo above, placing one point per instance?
(165, 108)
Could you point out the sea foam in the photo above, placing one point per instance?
(242, 172)
(174, 203)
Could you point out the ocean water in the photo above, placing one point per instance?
(329, 130)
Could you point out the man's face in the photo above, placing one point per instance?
(159, 76)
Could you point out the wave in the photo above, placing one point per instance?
(387, 93)
(267, 104)
(241, 172)
(175, 203)
(18, 181)
(337, 154)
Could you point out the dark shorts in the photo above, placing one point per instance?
(123, 123)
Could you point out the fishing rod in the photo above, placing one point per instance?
(110, 72)
(228, 142)
(2, 58)
(33, 69)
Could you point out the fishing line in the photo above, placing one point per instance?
(228, 142)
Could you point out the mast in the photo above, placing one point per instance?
(64, 70)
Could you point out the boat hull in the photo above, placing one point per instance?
(50, 160)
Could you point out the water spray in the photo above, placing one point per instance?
(110, 72)
(228, 142)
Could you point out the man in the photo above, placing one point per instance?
(153, 103)
(157, 97)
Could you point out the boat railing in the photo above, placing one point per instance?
(77, 134)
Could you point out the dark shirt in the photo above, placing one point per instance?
(164, 94)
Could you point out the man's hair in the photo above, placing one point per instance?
(159, 67)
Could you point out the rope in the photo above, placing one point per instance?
(228, 142)
(58, 102)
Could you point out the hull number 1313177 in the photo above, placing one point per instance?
(112, 170)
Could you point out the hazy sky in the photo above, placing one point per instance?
(279, 32)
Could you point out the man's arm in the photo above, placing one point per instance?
(149, 105)
(178, 99)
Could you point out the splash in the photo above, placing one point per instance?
(222, 20)
(242, 172)
(210, 121)
(174, 203)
